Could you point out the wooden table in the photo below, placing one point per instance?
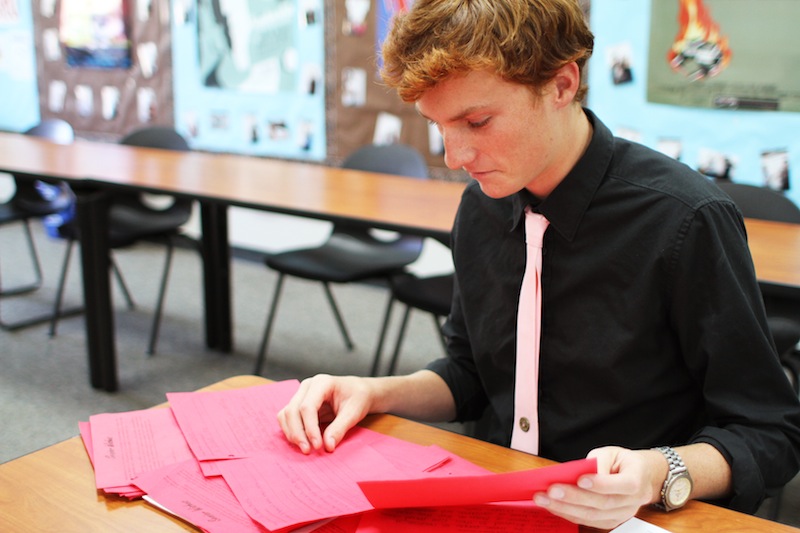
(775, 247)
(423, 207)
(53, 489)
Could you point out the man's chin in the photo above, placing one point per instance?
(493, 191)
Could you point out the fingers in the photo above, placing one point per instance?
(342, 401)
(606, 499)
(299, 420)
(349, 414)
(593, 510)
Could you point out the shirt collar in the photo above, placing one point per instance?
(565, 206)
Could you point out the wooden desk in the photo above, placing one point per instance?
(53, 489)
(424, 207)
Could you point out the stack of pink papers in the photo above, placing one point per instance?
(219, 461)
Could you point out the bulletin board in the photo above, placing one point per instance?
(104, 66)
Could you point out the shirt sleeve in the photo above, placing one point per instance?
(752, 413)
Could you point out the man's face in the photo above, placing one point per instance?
(497, 131)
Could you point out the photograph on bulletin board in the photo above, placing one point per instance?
(241, 45)
(95, 33)
(713, 54)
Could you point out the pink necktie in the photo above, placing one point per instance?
(525, 436)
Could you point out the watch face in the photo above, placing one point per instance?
(679, 491)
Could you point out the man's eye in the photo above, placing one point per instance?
(481, 123)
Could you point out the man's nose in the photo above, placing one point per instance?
(457, 152)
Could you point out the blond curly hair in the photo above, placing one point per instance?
(523, 41)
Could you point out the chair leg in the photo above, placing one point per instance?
(400, 334)
(776, 506)
(122, 285)
(262, 351)
(439, 330)
(62, 281)
(162, 291)
(382, 337)
(339, 320)
(37, 267)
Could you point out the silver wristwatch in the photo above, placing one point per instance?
(677, 487)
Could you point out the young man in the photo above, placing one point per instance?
(654, 350)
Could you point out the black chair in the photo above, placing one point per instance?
(764, 203)
(432, 294)
(351, 253)
(783, 313)
(132, 219)
(35, 199)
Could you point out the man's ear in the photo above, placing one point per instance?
(566, 83)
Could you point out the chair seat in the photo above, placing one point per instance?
(785, 332)
(11, 213)
(432, 294)
(346, 258)
(128, 225)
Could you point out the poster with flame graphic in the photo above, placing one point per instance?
(725, 54)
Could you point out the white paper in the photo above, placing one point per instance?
(634, 525)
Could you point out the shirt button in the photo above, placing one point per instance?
(524, 424)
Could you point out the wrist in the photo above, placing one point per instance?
(676, 489)
(658, 469)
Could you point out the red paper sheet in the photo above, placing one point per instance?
(471, 490)
(489, 518)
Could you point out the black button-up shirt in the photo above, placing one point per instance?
(653, 326)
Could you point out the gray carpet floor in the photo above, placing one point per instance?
(44, 384)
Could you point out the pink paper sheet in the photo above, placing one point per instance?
(470, 490)
(286, 492)
(232, 424)
(127, 444)
(207, 503)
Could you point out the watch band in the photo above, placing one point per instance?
(678, 483)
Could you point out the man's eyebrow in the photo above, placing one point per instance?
(459, 116)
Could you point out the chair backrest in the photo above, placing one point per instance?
(156, 137)
(54, 129)
(761, 202)
(398, 159)
(36, 197)
(151, 137)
